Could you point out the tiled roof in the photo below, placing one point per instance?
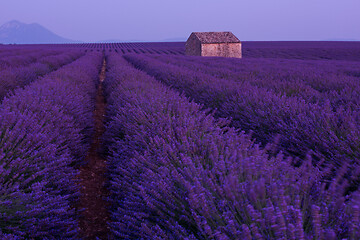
(216, 37)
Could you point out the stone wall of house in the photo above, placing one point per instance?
(221, 50)
(193, 46)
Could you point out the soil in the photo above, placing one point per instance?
(95, 215)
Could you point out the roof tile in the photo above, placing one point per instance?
(216, 37)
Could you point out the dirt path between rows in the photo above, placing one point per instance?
(93, 220)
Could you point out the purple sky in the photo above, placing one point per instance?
(158, 20)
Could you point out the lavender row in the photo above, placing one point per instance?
(323, 50)
(6, 51)
(178, 173)
(13, 78)
(314, 81)
(23, 59)
(346, 54)
(44, 133)
(283, 67)
(300, 128)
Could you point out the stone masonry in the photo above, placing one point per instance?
(220, 44)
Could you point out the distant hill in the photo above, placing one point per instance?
(21, 33)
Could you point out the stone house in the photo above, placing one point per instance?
(219, 44)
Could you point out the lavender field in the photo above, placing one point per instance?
(140, 141)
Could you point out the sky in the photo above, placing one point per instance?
(166, 20)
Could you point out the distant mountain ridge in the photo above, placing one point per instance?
(15, 32)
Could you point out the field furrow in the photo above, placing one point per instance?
(298, 128)
(45, 130)
(138, 141)
(177, 172)
(95, 215)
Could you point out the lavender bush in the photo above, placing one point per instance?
(11, 78)
(24, 58)
(264, 147)
(314, 81)
(349, 51)
(300, 128)
(178, 173)
(43, 131)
